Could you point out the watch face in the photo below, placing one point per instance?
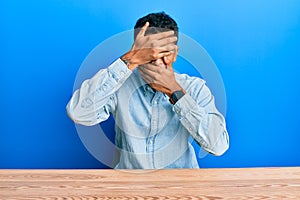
(176, 96)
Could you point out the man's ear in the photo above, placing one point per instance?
(175, 54)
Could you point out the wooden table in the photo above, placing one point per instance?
(214, 184)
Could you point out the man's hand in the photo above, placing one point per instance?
(150, 47)
(160, 78)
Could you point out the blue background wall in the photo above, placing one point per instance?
(255, 45)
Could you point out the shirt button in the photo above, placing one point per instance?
(176, 110)
(150, 142)
(190, 129)
(155, 102)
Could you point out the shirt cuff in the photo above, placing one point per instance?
(119, 70)
(184, 105)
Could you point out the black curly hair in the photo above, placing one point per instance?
(158, 22)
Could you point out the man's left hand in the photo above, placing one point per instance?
(160, 78)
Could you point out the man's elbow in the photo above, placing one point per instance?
(222, 145)
(220, 150)
(77, 118)
(72, 115)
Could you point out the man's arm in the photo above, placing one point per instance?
(198, 114)
(95, 99)
(196, 108)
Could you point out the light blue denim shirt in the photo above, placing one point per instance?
(151, 133)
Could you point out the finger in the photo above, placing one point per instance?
(149, 69)
(162, 42)
(168, 40)
(143, 30)
(168, 48)
(164, 54)
(160, 53)
(161, 35)
(146, 77)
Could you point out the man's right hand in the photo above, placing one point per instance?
(149, 47)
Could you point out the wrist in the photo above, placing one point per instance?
(128, 60)
(176, 95)
(176, 87)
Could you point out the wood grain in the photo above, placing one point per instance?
(212, 184)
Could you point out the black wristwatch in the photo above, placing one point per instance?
(175, 96)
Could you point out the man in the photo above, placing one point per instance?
(155, 110)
